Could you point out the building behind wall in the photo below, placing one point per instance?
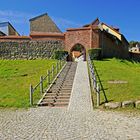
(43, 23)
(94, 35)
(8, 29)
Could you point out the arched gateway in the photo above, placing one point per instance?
(78, 53)
(83, 38)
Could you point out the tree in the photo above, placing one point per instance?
(133, 43)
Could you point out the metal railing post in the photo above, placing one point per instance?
(57, 69)
(98, 95)
(48, 73)
(60, 64)
(31, 95)
(41, 84)
(52, 71)
(94, 82)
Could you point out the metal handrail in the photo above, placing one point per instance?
(50, 74)
(96, 85)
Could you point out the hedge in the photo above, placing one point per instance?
(60, 54)
(95, 54)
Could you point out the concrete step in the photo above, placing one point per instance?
(55, 100)
(57, 97)
(57, 94)
(56, 104)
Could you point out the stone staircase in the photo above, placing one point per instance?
(60, 91)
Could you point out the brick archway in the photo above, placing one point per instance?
(86, 36)
(75, 36)
(79, 51)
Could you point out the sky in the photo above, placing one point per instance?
(124, 14)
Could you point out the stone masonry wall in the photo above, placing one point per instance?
(29, 49)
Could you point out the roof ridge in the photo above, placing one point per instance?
(38, 16)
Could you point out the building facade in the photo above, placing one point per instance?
(94, 35)
(7, 29)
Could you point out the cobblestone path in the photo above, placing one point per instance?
(61, 124)
(72, 123)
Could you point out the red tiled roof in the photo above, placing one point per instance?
(15, 37)
(82, 28)
(45, 34)
(95, 22)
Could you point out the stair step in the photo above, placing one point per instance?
(57, 94)
(60, 91)
(57, 97)
(54, 104)
(55, 100)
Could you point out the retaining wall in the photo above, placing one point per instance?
(29, 49)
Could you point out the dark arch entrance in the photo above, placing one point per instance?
(78, 53)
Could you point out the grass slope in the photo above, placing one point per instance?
(15, 78)
(120, 70)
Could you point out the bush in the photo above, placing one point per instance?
(60, 54)
(95, 53)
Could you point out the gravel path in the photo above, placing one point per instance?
(81, 95)
(77, 122)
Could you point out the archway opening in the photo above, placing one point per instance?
(78, 53)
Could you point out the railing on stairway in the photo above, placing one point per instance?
(51, 74)
(97, 85)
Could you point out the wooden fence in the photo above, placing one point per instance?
(51, 74)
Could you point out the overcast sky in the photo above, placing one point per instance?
(124, 14)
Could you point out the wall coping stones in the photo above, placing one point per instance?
(128, 104)
(124, 104)
(137, 104)
(112, 105)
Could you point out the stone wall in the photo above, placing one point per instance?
(135, 56)
(29, 49)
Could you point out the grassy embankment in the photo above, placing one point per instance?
(16, 77)
(120, 79)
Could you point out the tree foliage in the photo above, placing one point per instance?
(133, 43)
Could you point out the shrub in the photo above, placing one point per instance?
(60, 54)
(95, 53)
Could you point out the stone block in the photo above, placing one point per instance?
(129, 104)
(113, 105)
(137, 104)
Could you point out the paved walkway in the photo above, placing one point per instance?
(81, 95)
(60, 124)
(77, 122)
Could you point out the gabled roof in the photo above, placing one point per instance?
(8, 23)
(95, 22)
(46, 25)
(38, 16)
(2, 34)
(111, 28)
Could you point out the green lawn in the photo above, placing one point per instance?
(120, 71)
(15, 78)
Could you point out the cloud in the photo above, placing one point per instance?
(63, 24)
(22, 18)
(14, 16)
